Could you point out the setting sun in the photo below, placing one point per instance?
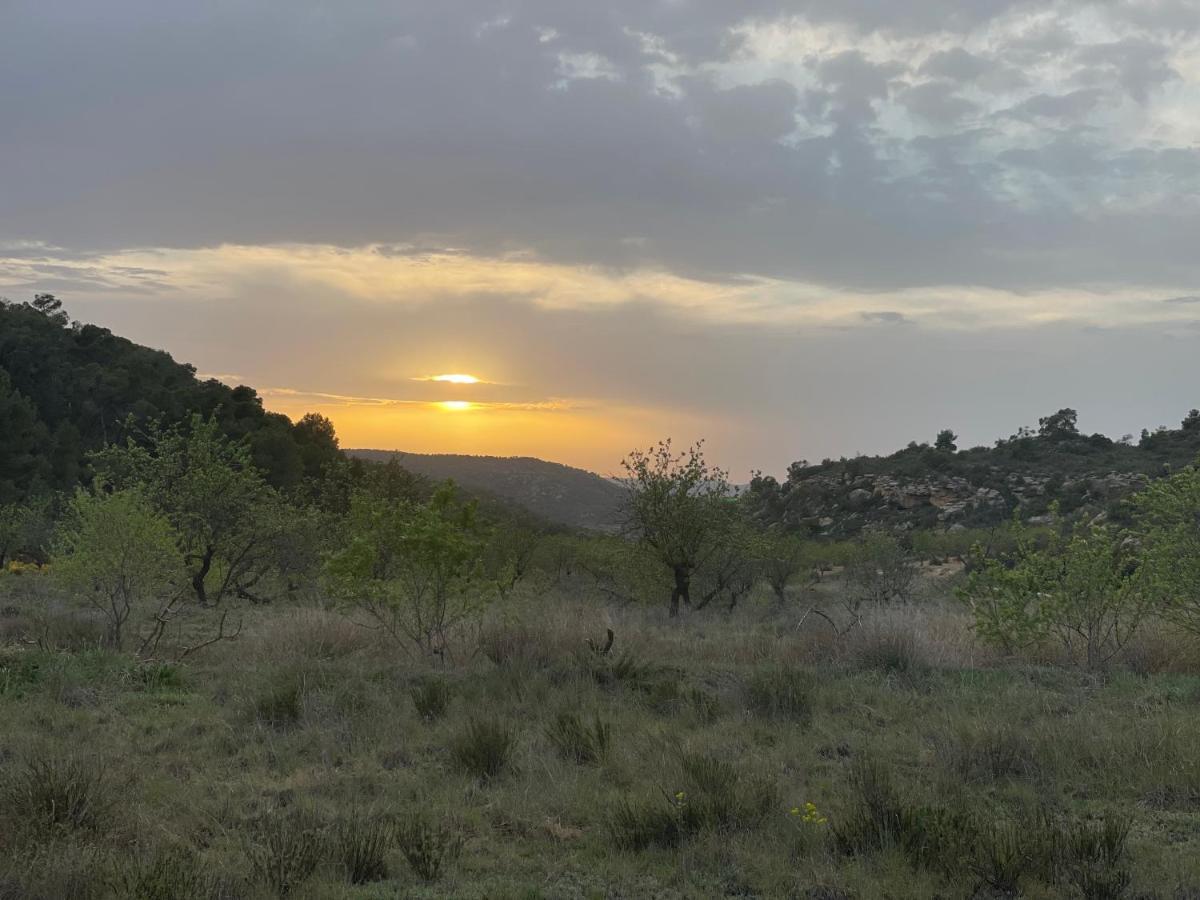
(455, 405)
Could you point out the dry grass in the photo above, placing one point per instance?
(679, 764)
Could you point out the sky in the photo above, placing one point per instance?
(794, 228)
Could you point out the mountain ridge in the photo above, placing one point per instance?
(565, 495)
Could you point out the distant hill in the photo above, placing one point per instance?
(940, 486)
(557, 493)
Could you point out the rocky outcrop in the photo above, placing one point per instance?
(839, 504)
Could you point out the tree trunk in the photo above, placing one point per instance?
(201, 574)
(683, 579)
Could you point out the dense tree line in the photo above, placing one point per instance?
(68, 389)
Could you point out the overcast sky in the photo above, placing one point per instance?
(798, 229)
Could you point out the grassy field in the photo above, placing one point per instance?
(744, 754)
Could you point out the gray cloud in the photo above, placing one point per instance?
(191, 125)
(888, 148)
(885, 317)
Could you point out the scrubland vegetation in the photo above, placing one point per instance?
(387, 694)
(361, 684)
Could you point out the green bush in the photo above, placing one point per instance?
(483, 749)
(428, 848)
(578, 741)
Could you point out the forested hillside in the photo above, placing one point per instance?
(67, 389)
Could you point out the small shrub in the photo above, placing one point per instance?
(582, 743)
(484, 748)
(780, 693)
(431, 699)
(59, 794)
(361, 846)
(285, 849)
(428, 848)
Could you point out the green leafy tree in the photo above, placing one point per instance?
(732, 570)
(1086, 590)
(509, 555)
(784, 558)
(14, 519)
(946, 441)
(1167, 523)
(1059, 425)
(414, 569)
(676, 507)
(227, 517)
(121, 554)
(23, 442)
(50, 307)
(880, 571)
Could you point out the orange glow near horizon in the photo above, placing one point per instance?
(454, 378)
(587, 436)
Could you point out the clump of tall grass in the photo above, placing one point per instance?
(285, 848)
(579, 741)
(282, 705)
(989, 753)
(360, 846)
(484, 747)
(55, 795)
(431, 698)
(893, 650)
(427, 847)
(780, 693)
(166, 873)
(712, 795)
(1089, 857)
